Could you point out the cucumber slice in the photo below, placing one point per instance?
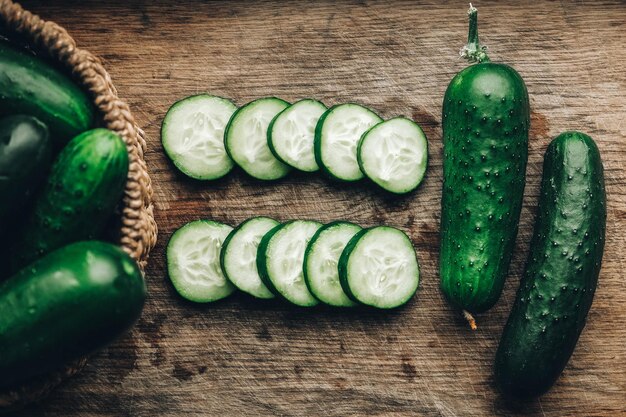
(337, 135)
(193, 136)
(379, 268)
(394, 154)
(239, 252)
(280, 260)
(193, 261)
(291, 134)
(320, 262)
(245, 138)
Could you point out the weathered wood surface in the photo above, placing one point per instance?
(243, 357)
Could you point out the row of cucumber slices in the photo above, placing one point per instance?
(205, 136)
(301, 261)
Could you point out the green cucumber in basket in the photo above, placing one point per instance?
(320, 262)
(64, 306)
(394, 155)
(25, 159)
(193, 136)
(245, 139)
(379, 268)
(291, 134)
(337, 136)
(280, 259)
(239, 252)
(557, 288)
(31, 86)
(86, 183)
(193, 261)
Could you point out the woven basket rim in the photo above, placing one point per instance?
(139, 229)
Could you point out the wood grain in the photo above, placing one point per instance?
(242, 357)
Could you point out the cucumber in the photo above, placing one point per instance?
(193, 136)
(238, 256)
(557, 288)
(64, 306)
(379, 268)
(486, 118)
(245, 139)
(320, 262)
(25, 159)
(193, 261)
(280, 260)
(337, 135)
(31, 86)
(291, 134)
(85, 185)
(394, 155)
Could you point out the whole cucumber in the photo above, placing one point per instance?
(561, 274)
(85, 185)
(486, 118)
(25, 159)
(64, 306)
(31, 86)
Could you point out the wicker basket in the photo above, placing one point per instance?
(139, 230)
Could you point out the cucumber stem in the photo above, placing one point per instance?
(470, 319)
(473, 51)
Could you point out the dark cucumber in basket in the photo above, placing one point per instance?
(64, 306)
(85, 185)
(561, 274)
(31, 86)
(486, 118)
(25, 159)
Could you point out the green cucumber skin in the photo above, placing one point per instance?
(557, 288)
(31, 86)
(64, 306)
(25, 159)
(260, 259)
(486, 118)
(342, 265)
(85, 185)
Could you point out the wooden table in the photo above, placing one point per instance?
(242, 357)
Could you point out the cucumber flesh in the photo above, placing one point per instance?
(394, 154)
(321, 259)
(238, 257)
(379, 268)
(193, 136)
(280, 261)
(193, 261)
(337, 135)
(245, 139)
(291, 134)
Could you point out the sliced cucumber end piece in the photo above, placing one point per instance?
(193, 261)
(337, 136)
(192, 135)
(394, 155)
(379, 268)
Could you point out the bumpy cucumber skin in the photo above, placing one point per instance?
(25, 159)
(85, 185)
(31, 86)
(557, 288)
(64, 306)
(486, 118)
